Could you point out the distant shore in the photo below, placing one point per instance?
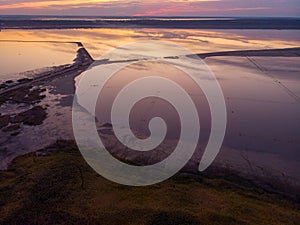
(7, 22)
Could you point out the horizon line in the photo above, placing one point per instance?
(133, 16)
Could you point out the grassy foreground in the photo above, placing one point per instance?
(60, 188)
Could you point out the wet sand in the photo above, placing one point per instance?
(263, 104)
(267, 155)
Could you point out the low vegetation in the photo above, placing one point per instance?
(56, 186)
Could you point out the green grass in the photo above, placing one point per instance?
(61, 188)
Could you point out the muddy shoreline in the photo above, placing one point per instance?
(28, 102)
(60, 186)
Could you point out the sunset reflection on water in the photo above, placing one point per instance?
(99, 41)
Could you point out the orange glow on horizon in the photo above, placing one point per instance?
(78, 3)
(44, 4)
(150, 7)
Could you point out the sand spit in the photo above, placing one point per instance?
(285, 52)
(82, 60)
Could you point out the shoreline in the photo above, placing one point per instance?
(60, 186)
(216, 172)
(82, 61)
(279, 52)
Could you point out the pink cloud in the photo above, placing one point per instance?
(153, 7)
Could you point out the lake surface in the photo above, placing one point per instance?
(18, 57)
(46, 48)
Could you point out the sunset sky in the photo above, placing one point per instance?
(152, 7)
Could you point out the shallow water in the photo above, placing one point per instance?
(99, 41)
(18, 57)
(262, 96)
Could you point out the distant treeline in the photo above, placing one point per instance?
(179, 23)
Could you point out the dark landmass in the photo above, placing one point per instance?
(31, 117)
(219, 23)
(56, 186)
(286, 52)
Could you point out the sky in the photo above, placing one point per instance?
(282, 8)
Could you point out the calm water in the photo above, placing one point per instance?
(17, 57)
(263, 111)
